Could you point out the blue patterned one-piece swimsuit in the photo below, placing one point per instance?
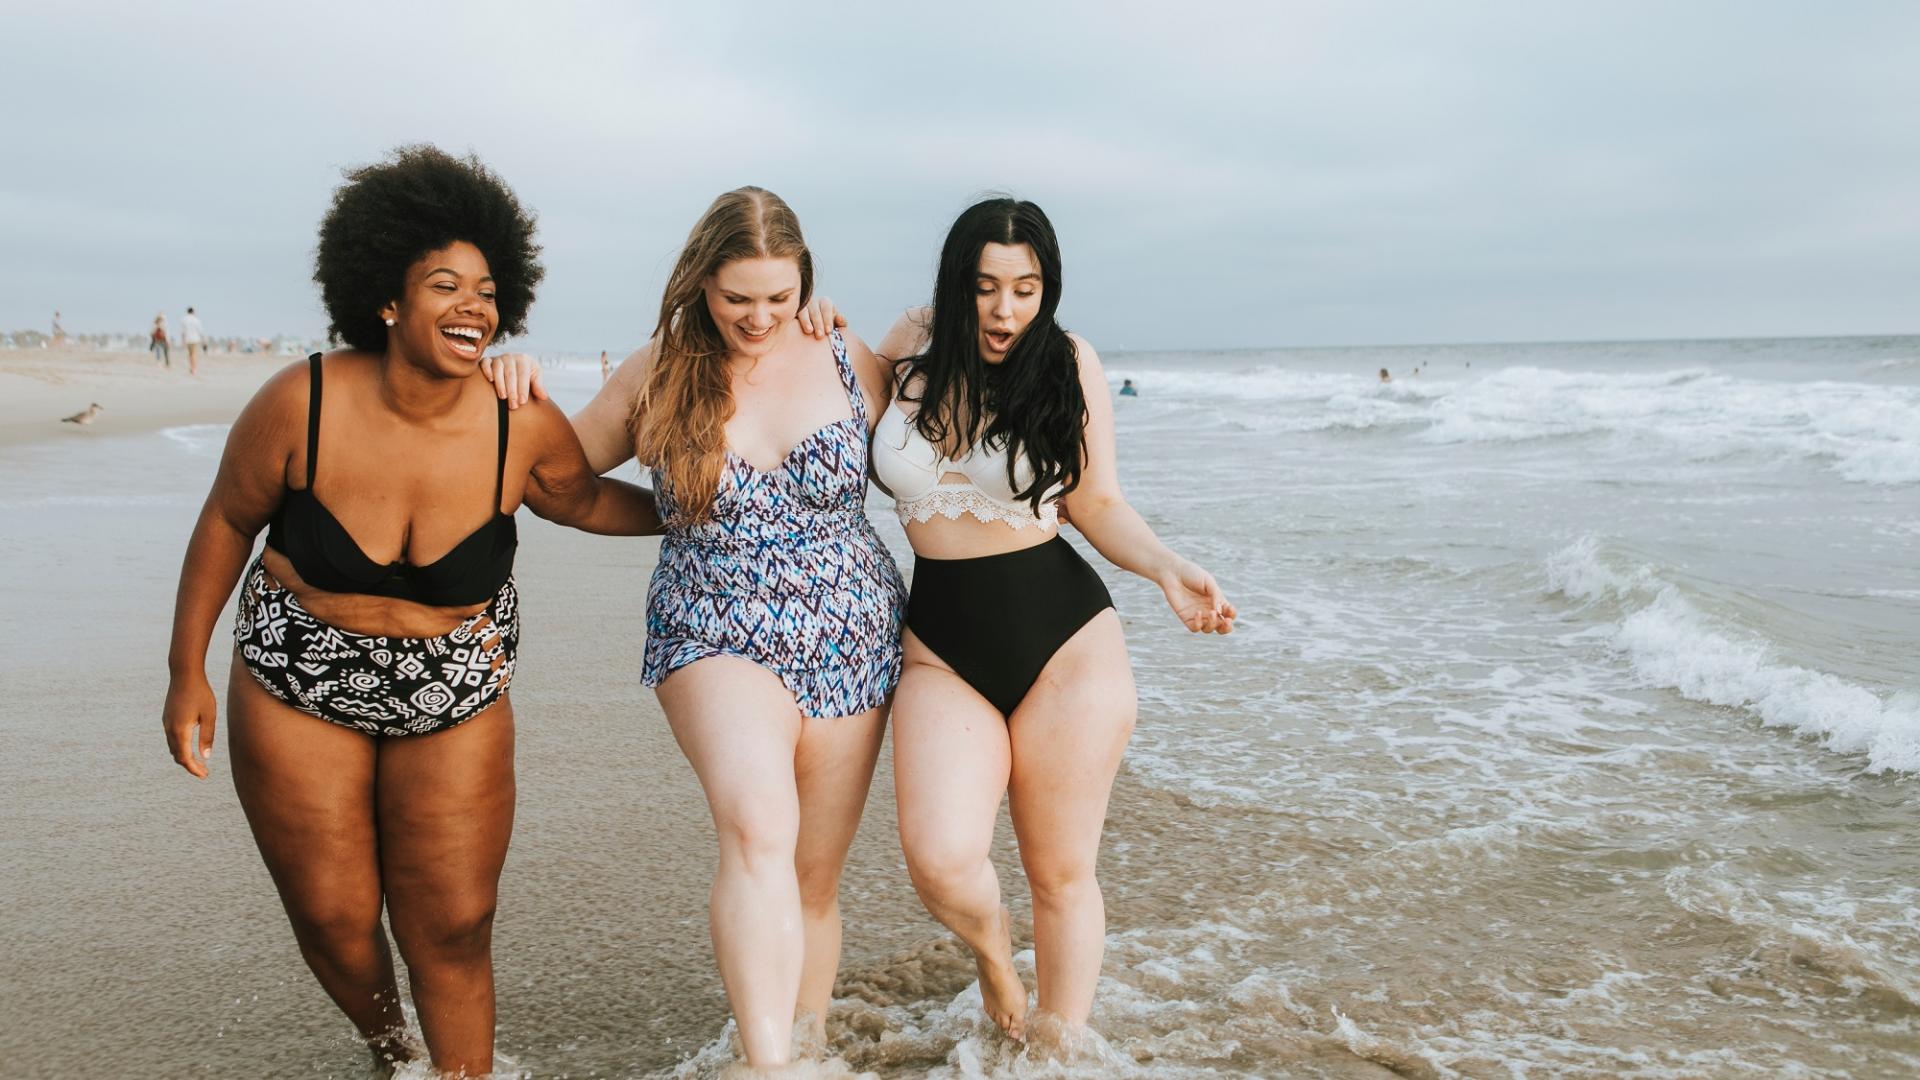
(787, 572)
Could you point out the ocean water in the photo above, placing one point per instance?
(1571, 728)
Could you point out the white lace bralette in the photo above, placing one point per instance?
(915, 472)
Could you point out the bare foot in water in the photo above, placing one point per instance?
(1001, 990)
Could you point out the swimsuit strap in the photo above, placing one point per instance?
(500, 474)
(313, 418)
(847, 377)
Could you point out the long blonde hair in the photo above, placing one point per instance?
(680, 416)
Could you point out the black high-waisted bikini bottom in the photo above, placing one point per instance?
(997, 620)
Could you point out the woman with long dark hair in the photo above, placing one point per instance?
(1016, 681)
(368, 715)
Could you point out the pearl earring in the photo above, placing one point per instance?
(389, 322)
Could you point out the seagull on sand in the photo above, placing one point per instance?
(84, 416)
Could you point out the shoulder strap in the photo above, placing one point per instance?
(313, 417)
(500, 474)
(848, 378)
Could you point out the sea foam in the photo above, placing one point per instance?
(1672, 643)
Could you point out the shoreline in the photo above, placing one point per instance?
(136, 394)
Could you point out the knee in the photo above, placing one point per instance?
(343, 933)
(448, 931)
(819, 890)
(757, 839)
(943, 869)
(1064, 884)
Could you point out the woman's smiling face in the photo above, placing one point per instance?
(751, 299)
(449, 313)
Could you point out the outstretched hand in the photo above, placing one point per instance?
(516, 378)
(1195, 597)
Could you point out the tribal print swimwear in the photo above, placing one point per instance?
(376, 684)
(787, 572)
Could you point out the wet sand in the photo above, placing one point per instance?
(145, 937)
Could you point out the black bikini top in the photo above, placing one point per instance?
(327, 557)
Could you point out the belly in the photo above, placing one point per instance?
(369, 615)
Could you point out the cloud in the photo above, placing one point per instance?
(1221, 174)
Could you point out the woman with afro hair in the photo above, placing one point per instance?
(369, 721)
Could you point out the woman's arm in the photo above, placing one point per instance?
(563, 487)
(1116, 530)
(907, 337)
(246, 491)
(603, 425)
(874, 375)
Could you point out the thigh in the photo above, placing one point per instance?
(446, 815)
(833, 768)
(951, 758)
(739, 727)
(306, 786)
(1068, 736)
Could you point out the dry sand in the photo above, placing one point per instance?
(39, 386)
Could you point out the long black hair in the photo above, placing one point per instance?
(1031, 402)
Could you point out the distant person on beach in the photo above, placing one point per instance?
(604, 369)
(194, 338)
(1384, 377)
(1127, 390)
(59, 332)
(369, 722)
(157, 340)
(1016, 681)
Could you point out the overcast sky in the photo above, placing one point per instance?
(1221, 174)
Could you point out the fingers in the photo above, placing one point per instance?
(523, 380)
(180, 745)
(206, 741)
(806, 319)
(829, 317)
(494, 371)
(539, 386)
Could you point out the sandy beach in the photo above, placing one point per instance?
(39, 386)
(137, 900)
(1570, 730)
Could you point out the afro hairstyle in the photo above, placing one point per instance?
(389, 215)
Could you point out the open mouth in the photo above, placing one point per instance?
(1000, 340)
(752, 335)
(464, 340)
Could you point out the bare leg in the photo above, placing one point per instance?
(739, 727)
(951, 759)
(833, 767)
(307, 789)
(1069, 733)
(446, 815)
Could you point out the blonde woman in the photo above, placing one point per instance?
(773, 618)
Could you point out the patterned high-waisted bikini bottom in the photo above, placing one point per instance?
(376, 684)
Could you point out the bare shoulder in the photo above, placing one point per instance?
(874, 373)
(1091, 373)
(281, 400)
(632, 372)
(908, 334)
(538, 419)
